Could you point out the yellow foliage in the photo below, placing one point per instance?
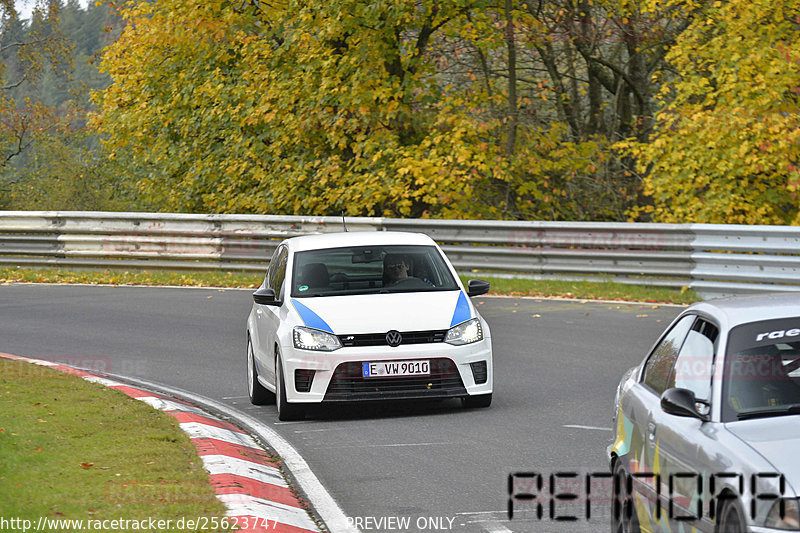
(727, 144)
(323, 107)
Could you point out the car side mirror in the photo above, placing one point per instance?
(682, 402)
(476, 287)
(265, 296)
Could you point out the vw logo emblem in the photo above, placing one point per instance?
(393, 338)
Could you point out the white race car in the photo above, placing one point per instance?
(365, 316)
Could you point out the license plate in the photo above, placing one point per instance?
(396, 368)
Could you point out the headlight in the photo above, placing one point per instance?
(465, 333)
(616, 402)
(314, 339)
(790, 518)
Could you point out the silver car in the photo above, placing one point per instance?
(708, 425)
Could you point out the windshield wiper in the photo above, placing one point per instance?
(793, 409)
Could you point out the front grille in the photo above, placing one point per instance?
(348, 383)
(379, 339)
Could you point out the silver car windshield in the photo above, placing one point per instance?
(762, 370)
(370, 269)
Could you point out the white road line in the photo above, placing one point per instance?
(245, 505)
(489, 521)
(349, 428)
(234, 397)
(316, 494)
(225, 464)
(496, 528)
(576, 426)
(391, 445)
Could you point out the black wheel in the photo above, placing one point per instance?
(286, 411)
(477, 401)
(259, 395)
(623, 504)
(731, 518)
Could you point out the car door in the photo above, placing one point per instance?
(687, 445)
(643, 409)
(268, 317)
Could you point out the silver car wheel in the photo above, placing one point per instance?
(621, 503)
(732, 519)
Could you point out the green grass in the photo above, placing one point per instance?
(590, 290)
(125, 277)
(70, 449)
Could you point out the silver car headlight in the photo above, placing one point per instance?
(465, 333)
(314, 339)
(791, 515)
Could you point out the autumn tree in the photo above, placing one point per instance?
(27, 51)
(727, 142)
(290, 109)
(592, 63)
(457, 108)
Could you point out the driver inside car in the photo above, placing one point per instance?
(395, 268)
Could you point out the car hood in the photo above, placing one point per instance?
(378, 313)
(774, 438)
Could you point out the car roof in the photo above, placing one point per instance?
(356, 238)
(743, 309)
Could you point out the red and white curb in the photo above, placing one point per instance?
(244, 477)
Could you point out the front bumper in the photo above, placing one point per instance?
(337, 375)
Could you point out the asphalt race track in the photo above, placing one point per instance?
(407, 467)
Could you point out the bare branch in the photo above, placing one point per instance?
(16, 84)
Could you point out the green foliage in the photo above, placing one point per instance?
(727, 147)
(456, 108)
(64, 172)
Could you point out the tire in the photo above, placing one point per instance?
(478, 401)
(731, 518)
(287, 412)
(620, 501)
(259, 395)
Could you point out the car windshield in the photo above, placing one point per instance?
(762, 370)
(370, 269)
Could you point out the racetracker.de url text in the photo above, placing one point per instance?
(201, 523)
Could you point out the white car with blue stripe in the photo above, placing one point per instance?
(360, 316)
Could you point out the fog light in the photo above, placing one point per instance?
(479, 372)
(303, 379)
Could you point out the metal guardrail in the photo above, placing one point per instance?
(712, 259)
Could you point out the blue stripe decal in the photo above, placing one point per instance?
(310, 318)
(462, 312)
